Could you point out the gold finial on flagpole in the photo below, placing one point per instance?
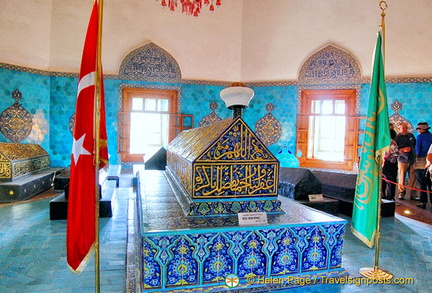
(383, 6)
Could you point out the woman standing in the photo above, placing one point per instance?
(390, 169)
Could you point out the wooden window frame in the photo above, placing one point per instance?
(124, 117)
(351, 129)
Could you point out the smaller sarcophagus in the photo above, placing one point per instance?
(19, 159)
(223, 169)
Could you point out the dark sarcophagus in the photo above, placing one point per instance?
(24, 171)
(223, 169)
(19, 159)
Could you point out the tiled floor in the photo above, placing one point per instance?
(408, 208)
(33, 253)
(32, 250)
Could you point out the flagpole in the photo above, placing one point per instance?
(376, 272)
(383, 6)
(97, 142)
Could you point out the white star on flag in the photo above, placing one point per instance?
(78, 149)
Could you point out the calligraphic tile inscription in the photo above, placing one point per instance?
(150, 63)
(185, 148)
(16, 122)
(212, 117)
(224, 160)
(268, 128)
(398, 119)
(18, 159)
(5, 168)
(330, 65)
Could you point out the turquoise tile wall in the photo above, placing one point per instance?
(63, 98)
(51, 101)
(284, 99)
(62, 103)
(416, 99)
(196, 100)
(35, 90)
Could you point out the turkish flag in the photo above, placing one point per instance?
(81, 217)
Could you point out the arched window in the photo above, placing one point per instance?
(149, 117)
(326, 129)
(327, 124)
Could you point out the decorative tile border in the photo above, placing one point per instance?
(207, 82)
(271, 83)
(180, 253)
(363, 80)
(174, 261)
(24, 69)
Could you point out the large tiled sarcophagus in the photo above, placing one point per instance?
(19, 159)
(223, 169)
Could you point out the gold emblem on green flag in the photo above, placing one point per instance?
(376, 140)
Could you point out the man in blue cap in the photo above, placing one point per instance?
(423, 142)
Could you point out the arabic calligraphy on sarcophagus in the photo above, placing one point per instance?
(234, 180)
(18, 159)
(224, 160)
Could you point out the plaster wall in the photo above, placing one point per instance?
(25, 33)
(207, 47)
(246, 41)
(275, 49)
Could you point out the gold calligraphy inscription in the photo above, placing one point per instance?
(30, 166)
(181, 168)
(368, 168)
(191, 143)
(5, 170)
(239, 143)
(17, 151)
(235, 180)
(3, 158)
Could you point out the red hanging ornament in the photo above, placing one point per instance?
(191, 7)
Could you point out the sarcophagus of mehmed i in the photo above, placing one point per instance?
(223, 169)
(19, 159)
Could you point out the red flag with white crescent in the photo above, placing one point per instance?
(82, 186)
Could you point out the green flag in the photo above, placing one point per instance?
(375, 142)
